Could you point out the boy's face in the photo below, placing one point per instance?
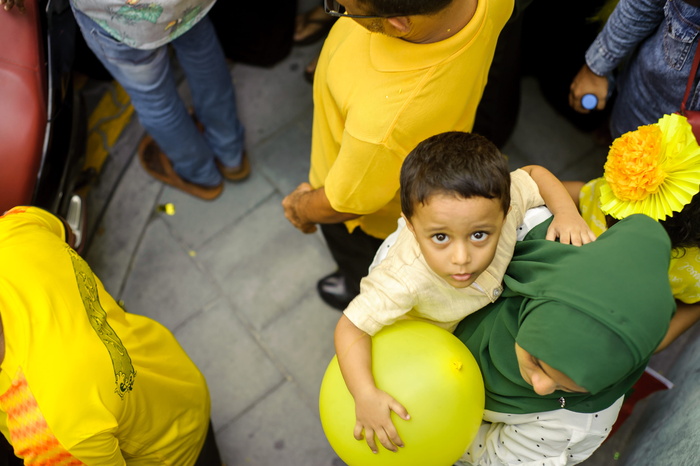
(458, 237)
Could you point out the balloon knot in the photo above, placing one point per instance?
(458, 365)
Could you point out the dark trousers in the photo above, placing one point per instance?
(497, 113)
(352, 252)
(209, 456)
(7, 455)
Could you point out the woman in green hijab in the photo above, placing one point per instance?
(571, 334)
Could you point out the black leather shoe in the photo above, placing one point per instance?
(333, 291)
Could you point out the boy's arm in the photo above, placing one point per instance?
(567, 224)
(372, 405)
(574, 190)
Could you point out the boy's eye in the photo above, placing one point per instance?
(479, 236)
(440, 238)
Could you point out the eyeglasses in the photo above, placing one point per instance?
(336, 9)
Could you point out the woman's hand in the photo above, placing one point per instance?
(373, 412)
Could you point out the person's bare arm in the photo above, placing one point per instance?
(686, 315)
(305, 207)
(567, 224)
(372, 406)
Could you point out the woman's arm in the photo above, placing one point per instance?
(684, 318)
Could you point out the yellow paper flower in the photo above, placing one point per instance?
(654, 170)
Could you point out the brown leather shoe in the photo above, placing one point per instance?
(156, 164)
(238, 173)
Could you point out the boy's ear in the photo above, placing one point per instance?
(409, 225)
(401, 23)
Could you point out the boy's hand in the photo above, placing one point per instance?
(373, 409)
(570, 229)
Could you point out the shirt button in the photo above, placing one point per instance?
(496, 292)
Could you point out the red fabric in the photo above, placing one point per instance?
(693, 116)
(23, 114)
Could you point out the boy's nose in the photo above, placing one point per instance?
(460, 254)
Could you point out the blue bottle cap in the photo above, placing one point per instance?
(589, 101)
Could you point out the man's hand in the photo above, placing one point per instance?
(9, 4)
(587, 82)
(570, 229)
(372, 410)
(292, 209)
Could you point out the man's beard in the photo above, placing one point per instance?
(376, 25)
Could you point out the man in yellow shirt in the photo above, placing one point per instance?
(82, 381)
(385, 81)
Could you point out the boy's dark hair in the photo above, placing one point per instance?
(405, 7)
(465, 165)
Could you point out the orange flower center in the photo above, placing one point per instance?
(632, 168)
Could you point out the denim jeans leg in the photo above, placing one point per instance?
(202, 59)
(147, 77)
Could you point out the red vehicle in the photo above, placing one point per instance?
(42, 121)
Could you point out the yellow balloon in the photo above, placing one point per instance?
(435, 377)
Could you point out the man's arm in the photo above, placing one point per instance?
(567, 224)
(630, 22)
(372, 405)
(305, 207)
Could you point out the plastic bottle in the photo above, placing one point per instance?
(589, 101)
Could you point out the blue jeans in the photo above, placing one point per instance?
(147, 77)
(665, 34)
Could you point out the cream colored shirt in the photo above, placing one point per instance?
(403, 286)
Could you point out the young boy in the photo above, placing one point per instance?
(462, 209)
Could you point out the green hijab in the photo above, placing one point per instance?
(595, 312)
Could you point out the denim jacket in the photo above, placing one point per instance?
(655, 41)
(630, 23)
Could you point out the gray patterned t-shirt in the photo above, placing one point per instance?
(145, 24)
